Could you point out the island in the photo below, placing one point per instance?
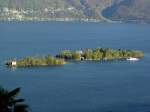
(36, 61)
(61, 58)
(100, 54)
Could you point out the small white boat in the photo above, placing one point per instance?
(132, 59)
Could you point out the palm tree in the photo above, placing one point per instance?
(9, 102)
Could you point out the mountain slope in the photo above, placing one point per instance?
(129, 10)
(59, 8)
(90, 8)
(122, 10)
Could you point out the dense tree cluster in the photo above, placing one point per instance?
(69, 55)
(100, 54)
(38, 61)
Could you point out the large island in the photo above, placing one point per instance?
(78, 55)
(100, 54)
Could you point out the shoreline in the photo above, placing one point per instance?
(79, 21)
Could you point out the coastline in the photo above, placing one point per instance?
(78, 20)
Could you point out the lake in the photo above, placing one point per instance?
(117, 86)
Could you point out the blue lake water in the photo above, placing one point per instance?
(117, 86)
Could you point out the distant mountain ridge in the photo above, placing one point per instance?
(129, 11)
(120, 10)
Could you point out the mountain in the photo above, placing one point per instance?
(129, 11)
(90, 8)
(101, 10)
(77, 9)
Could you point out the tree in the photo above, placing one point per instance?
(137, 54)
(97, 55)
(76, 56)
(108, 54)
(9, 102)
(88, 54)
(50, 60)
(66, 54)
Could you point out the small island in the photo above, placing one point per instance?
(36, 61)
(78, 55)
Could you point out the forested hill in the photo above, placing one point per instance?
(75, 10)
(129, 11)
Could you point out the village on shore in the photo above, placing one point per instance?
(7, 14)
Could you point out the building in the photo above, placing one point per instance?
(13, 63)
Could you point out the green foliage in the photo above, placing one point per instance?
(100, 54)
(76, 56)
(116, 54)
(137, 54)
(50, 60)
(88, 54)
(108, 54)
(97, 55)
(66, 54)
(36, 61)
(9, 102)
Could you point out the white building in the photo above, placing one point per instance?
(70, 8)
(13, 63)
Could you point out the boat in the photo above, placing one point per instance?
(132, 59)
